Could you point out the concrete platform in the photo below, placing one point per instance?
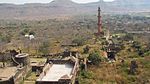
(57, 71)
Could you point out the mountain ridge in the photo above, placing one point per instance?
(66, 8)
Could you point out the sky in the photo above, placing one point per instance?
(45, 1)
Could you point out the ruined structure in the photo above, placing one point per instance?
(15, 73)
(111, 51)
(37, 65)
(59, 72)
(22, 58)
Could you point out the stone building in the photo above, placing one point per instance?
(59, 72)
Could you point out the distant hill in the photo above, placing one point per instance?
(67, 8)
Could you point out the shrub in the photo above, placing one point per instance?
(79, 41)
(31, 33)
(86, 49)
(25, 31)
(44, 48)
(94, 58)
(86, 74)
(6, 38)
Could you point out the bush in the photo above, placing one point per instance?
(128, 37)
(31, 33)
(6, 38)
(94, 58)
(25, 31)
(86, 74)
(86, 49)
(79, 41)
(44, 48)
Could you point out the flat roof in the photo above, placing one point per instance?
(7, 72)
(57, 71)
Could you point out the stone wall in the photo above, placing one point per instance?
(21, 74)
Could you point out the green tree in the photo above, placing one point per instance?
(31, 33)
(94, 58)
(86, 49)
(6, 38)
(128, 37)
(79, 41)
(44, 48)
(25, 31)
(133, 67)
(3, 60)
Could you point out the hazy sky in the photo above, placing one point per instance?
(44, 1)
